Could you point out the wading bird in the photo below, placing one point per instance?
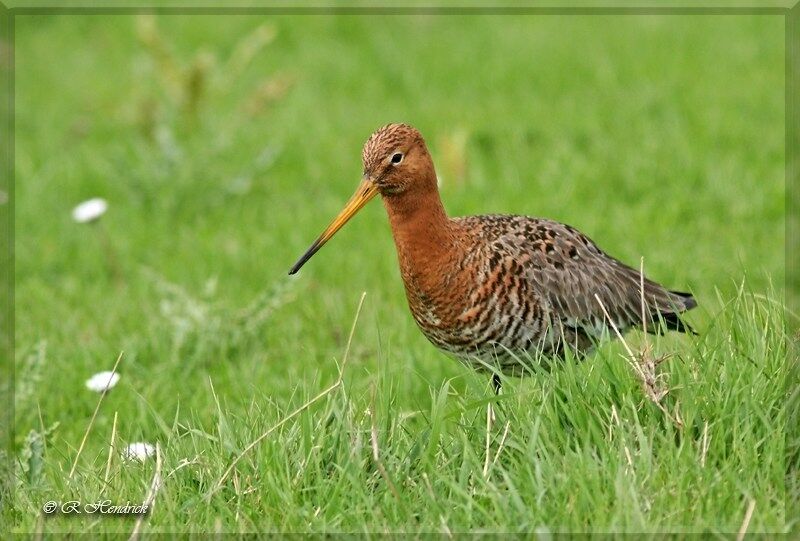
(488, 288)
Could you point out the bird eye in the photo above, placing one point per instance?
(397, 157)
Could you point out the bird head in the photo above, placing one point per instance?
(396, 164)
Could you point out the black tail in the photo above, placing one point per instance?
(688, 300)
(674, 323)
(671, 319)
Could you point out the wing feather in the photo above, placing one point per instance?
(568, 269)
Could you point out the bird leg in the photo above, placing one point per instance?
(496, 384)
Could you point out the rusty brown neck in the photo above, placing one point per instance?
(422, 232)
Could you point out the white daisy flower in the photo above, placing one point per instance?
(138, 451)
(102, 381)
(90, 210)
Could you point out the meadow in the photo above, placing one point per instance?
(224, 144)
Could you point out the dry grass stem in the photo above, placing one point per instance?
(645, 366)
(614, 419)
(641, 295)
(628, 458)
(94, 416)
(110, 453)
(446, 528)
(704, 450)
(150, 499)
(746, 521)
(487, 455)
(502, 443)
(182, 464)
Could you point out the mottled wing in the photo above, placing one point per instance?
(570, 272)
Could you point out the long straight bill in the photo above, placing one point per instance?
(366, 191)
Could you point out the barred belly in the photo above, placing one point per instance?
(497, 338)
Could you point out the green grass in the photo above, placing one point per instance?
(660, 137)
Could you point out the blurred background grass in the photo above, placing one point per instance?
(225, 144)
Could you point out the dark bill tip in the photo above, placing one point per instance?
(305, 257)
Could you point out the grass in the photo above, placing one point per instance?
(224, 145)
